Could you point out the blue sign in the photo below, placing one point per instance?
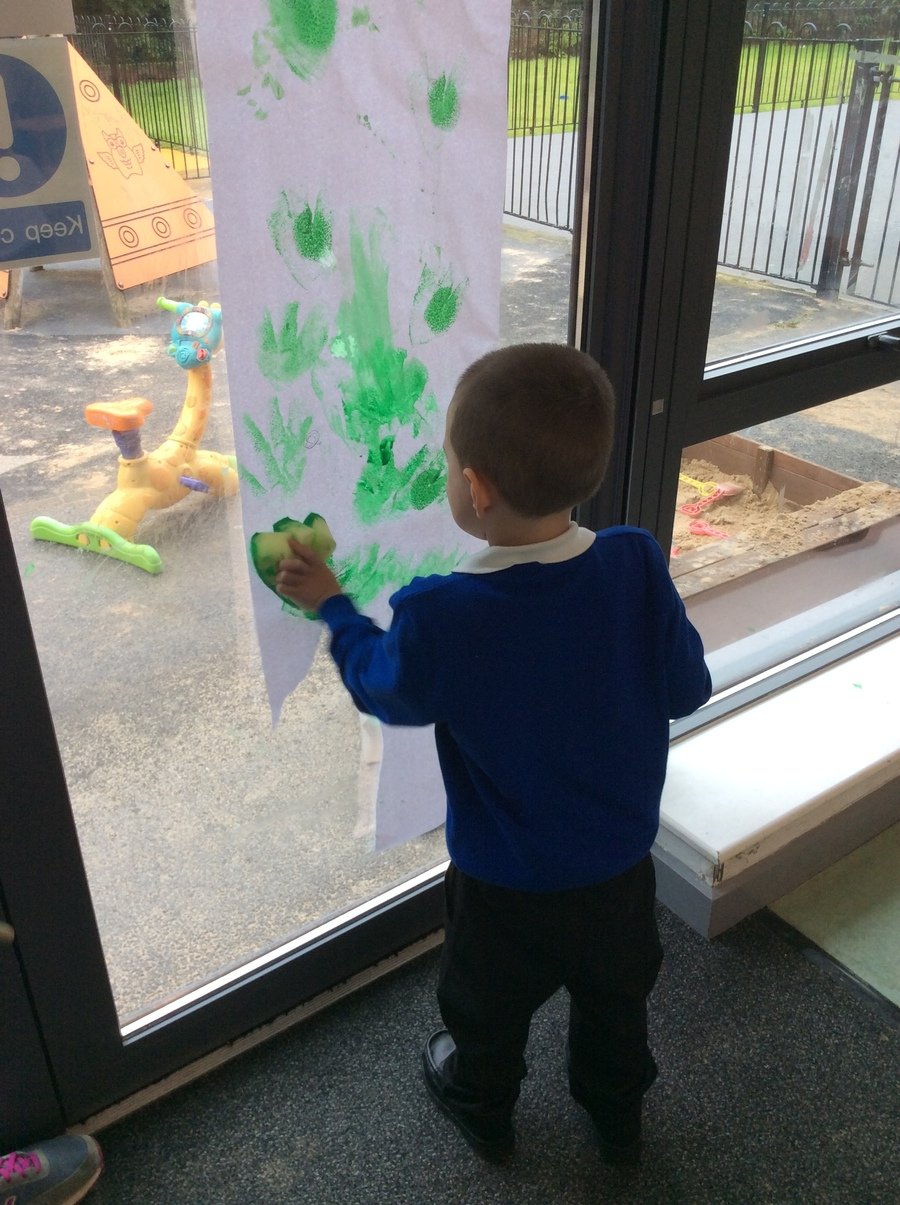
(38, 231)
(33, 127)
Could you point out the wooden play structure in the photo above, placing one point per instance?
(150, 222)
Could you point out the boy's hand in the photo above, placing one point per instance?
(305, 579)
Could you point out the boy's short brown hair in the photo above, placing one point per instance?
(537, 420)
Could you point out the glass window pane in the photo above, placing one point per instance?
(788, 534)
(208, 836)
(810, 237)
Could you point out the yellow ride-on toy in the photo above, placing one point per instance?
(155, 480)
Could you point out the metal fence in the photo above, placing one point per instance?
(815, 154)
(150, 66)
(836, 19)
(543, 95)
(815, 157)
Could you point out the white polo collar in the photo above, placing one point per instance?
(570, 544)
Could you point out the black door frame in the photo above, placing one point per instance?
(655, 158)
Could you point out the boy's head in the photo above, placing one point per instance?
(537, 420)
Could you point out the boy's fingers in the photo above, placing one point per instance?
(302, 551)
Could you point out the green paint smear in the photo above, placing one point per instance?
(302, 31)
(441, 311)
(274, 86)
(385, 391)
(360, 17)
(366, 573)
(383, 487)
(443, 102)
(260, 51)
(437, 301)
(294, 350)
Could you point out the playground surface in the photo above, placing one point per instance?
(207, 834)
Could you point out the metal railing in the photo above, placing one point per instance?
(836, 19)
(150, 66)
(815, 156)
(543, 98)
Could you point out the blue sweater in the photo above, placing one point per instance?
(550, 674)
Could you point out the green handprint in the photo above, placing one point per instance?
(283, 452)
(366, 572)
(292, 352)
(382, 484)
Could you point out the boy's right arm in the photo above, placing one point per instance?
(390, 674)
(387, 673)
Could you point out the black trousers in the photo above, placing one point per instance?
(506, 952)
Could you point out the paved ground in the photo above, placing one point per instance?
(207, 835)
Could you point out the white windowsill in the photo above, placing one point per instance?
(751, 783)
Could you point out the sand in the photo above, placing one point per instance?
(771, 523)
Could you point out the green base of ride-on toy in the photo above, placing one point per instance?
(93, 538)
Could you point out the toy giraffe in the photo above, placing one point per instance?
(155, 480)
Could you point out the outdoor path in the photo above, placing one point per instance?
(779, 192)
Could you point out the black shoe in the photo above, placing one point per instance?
(619, 1145)
(489, 1132)
(616, 1155)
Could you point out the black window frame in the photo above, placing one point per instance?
(659, 100)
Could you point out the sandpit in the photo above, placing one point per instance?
(784, 506)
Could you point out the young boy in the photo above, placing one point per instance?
(550, 664)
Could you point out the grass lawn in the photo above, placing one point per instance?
(543, 93)
(169, 111)
(782, 75)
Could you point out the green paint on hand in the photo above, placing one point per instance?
(443, 102)
(441, 311)
(269, 548)
(303, 32)
(292, 352)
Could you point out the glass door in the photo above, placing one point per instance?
(181, 872)
(185, 870)
(787, 511)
